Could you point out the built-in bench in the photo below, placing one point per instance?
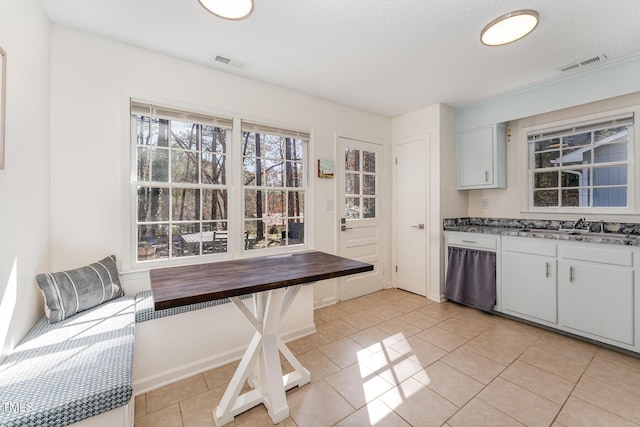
(145, 310)
(66, 372)
(80, 370)
(80, 367)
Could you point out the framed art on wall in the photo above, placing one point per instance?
(325, 168)
(3, 87)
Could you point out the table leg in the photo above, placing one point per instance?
(262, 361)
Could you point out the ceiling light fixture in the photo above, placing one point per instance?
(229, 9)
(509, 27)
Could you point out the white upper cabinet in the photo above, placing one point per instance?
(482, 157)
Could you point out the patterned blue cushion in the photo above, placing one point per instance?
(145, 310)
(65, 372)
(69, 292)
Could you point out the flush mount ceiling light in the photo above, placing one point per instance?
(509, 27)
(229, 9)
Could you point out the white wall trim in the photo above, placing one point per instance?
(607, 81)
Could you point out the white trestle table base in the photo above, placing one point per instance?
(260, 366)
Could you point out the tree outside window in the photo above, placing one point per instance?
(582, 166)
(181, 189)
(274, 187)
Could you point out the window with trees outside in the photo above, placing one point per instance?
(586, 165)
(180, 182)
(360, 184)
(273, 173)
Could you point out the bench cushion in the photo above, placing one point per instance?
(69, 292)
(64, 372)
(145, 310)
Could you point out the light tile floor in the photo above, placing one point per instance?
(393, 358)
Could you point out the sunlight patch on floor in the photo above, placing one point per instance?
(394, 365)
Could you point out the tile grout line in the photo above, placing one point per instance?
(397, 300)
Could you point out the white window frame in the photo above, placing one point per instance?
(138, 107)
(136, 271)
(248, 125)
(632, 166)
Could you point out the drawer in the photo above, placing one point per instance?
(611, 256)
(528, 245)
(473, 240)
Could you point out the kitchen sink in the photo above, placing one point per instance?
(574, 232)
(542, 231)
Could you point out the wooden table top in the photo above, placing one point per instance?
(178, 286)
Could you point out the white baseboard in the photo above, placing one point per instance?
(437, 297)
(324, 302)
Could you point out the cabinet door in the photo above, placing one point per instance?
(530, 286)
(475, 158)
(597, 299)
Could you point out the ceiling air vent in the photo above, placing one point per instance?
(584, 63)
(230, 61)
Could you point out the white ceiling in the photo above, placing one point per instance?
(384, 56)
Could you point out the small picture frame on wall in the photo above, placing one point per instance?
(3, 90)
(325, 168)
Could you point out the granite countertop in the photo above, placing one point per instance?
(613, 233)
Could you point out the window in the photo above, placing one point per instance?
(273, 174)
(582, 166)
(360, 184)
(180, 183)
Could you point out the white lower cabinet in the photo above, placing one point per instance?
(587, 289)
(529, 277)
(596, 292)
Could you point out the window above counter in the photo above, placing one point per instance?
(586, 165)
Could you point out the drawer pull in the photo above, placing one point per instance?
(548, 272)
(469, 241)
(571, 274)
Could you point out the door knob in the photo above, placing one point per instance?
(345, 228)
(419, 226)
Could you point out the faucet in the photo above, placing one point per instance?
(578, 223)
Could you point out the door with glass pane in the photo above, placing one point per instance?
(360, 201)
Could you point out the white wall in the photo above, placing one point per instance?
(615, 79)
(90, 78)
(436, 124)
(600, 89)
(24, 183)
(511, 202)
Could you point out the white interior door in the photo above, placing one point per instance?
(359, 172)
(411, 216)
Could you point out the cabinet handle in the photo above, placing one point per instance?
(571, 274)
(548, 271)
(486, 176)
(469, 241)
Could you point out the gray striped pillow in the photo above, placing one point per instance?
(69, 292)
